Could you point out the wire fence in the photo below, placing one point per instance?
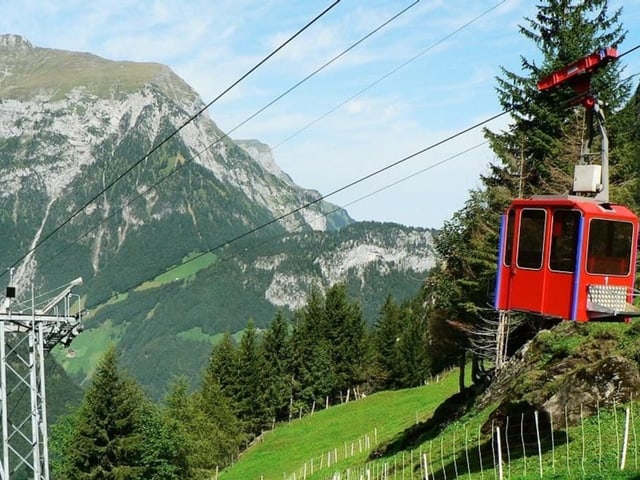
(348, 450)
(528, 445)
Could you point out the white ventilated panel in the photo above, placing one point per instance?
(609, 296)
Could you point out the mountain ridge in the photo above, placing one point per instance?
(37, 68)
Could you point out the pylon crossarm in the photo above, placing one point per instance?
(24, 319)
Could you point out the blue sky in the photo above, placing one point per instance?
(443, 87)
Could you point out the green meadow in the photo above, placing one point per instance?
(354, 428)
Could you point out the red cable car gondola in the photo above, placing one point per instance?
(571, 256)
(567, 257)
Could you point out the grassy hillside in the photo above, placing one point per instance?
(35, 70)
(561, 409)
(353, 428)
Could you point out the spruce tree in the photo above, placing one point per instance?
(250, 397)
(118, 434)
(310, 362)
(108, 440)
(372, 376)
(386, 335)
(224, 365)
(275, 349)
(313, 316)
(344, 330)
(412, 351)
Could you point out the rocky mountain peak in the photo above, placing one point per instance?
(12, 41)
(263, 154)
(28, 72)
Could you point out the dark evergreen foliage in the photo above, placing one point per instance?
(344, 329)
(413, 353)
(544, 141)
(311, 372)
(118, 434)
(386, 336)
(250, 399)
(223, 365)
(275, 350)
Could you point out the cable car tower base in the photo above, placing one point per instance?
(25, 340)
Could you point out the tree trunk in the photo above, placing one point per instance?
(476, 369)
(461, 365)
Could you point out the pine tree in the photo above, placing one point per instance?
(224, 365)
(386, 335)
(275, 349)
(313, 316)
(412, 350)
(310, 362)
(344, 330)
(250, 398)
(118, 434)
(373, 377)
(107, 438)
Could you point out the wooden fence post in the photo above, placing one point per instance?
(625, 440)
(535, 416)
(500, 472)
(426, 465)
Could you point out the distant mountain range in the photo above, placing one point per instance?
(165, 251)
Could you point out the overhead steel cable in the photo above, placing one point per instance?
(325, 65)
(324, 197)
(226, 135)
(167, 138)
(301, 225)
(402, 160)
(390, 73)
(629, 51)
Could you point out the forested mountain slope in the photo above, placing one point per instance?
(161, 239)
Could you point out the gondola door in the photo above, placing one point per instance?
(526, 279)
(564, 264)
